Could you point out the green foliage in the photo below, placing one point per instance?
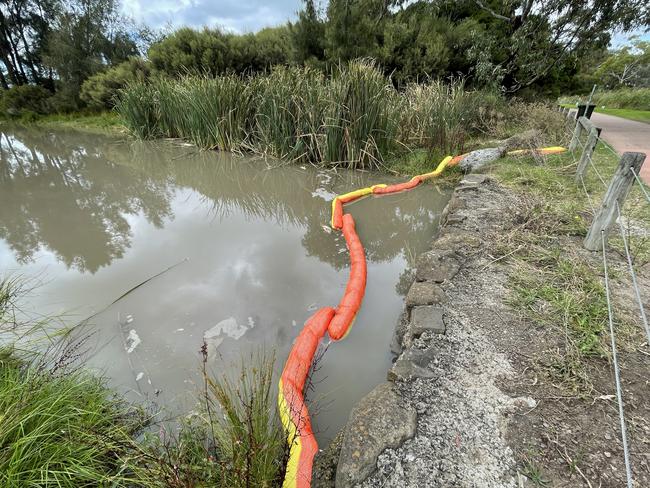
(99, 91)
(308, 36)
(632, 98)
(628, 66)
(60, 428)
(138, 109)
(361, 122)
(25, 98)
(442, 116)
(290, 109)
(212, 52)
(83, 37)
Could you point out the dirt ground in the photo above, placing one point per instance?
(570, 434)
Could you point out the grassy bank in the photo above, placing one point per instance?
(354, 118)
(102, 122)
(554, 280)
(61, 426)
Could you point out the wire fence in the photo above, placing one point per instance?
(605, 215)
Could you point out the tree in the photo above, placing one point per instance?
(308, 36)
(627, 66)
(85, 37)
(354, 28)
(24, 29)
(545, 34)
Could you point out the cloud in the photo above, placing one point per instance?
(233, 15)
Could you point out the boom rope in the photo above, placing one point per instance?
(337, 323)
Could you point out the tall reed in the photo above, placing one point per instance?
(354, 118)
(436, 115)
(138, 108)
(360, 129)
(290, 108)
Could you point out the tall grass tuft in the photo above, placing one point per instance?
(138, 107)
(290, 108)
(436, 115)
(235, 441)
(360, 128)
(60, 426)
(60, 430)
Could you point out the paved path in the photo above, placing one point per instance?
(626, 135)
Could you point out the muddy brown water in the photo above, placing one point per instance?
(88, 217)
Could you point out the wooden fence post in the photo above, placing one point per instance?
(618, 189)
(590, 145)
(575, 140)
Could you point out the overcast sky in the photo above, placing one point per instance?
(234, 15)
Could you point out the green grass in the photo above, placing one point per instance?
(626, 113)
(102, 122)
(60, 429)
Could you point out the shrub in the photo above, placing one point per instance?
(25, 98)
(99, 91)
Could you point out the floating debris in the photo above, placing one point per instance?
(132, 341)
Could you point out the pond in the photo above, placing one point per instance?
(239, 249)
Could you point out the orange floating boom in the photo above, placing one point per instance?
(356, 287)
(291, 402)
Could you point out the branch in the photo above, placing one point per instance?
(492, 12)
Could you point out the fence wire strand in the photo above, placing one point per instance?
(638, 180)
(635, 285)
(600, 177)
(617, 374)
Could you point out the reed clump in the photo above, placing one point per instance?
(353, 118)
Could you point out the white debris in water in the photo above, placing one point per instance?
(229, 327)
(327, 229)
(129, 319)
(312, 307)
(251, 322)
(324, 194)
(294, 323)
(132, 341)
(139, 377)
(180, 330)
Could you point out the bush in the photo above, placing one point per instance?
(100, 91)
(25, 98)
